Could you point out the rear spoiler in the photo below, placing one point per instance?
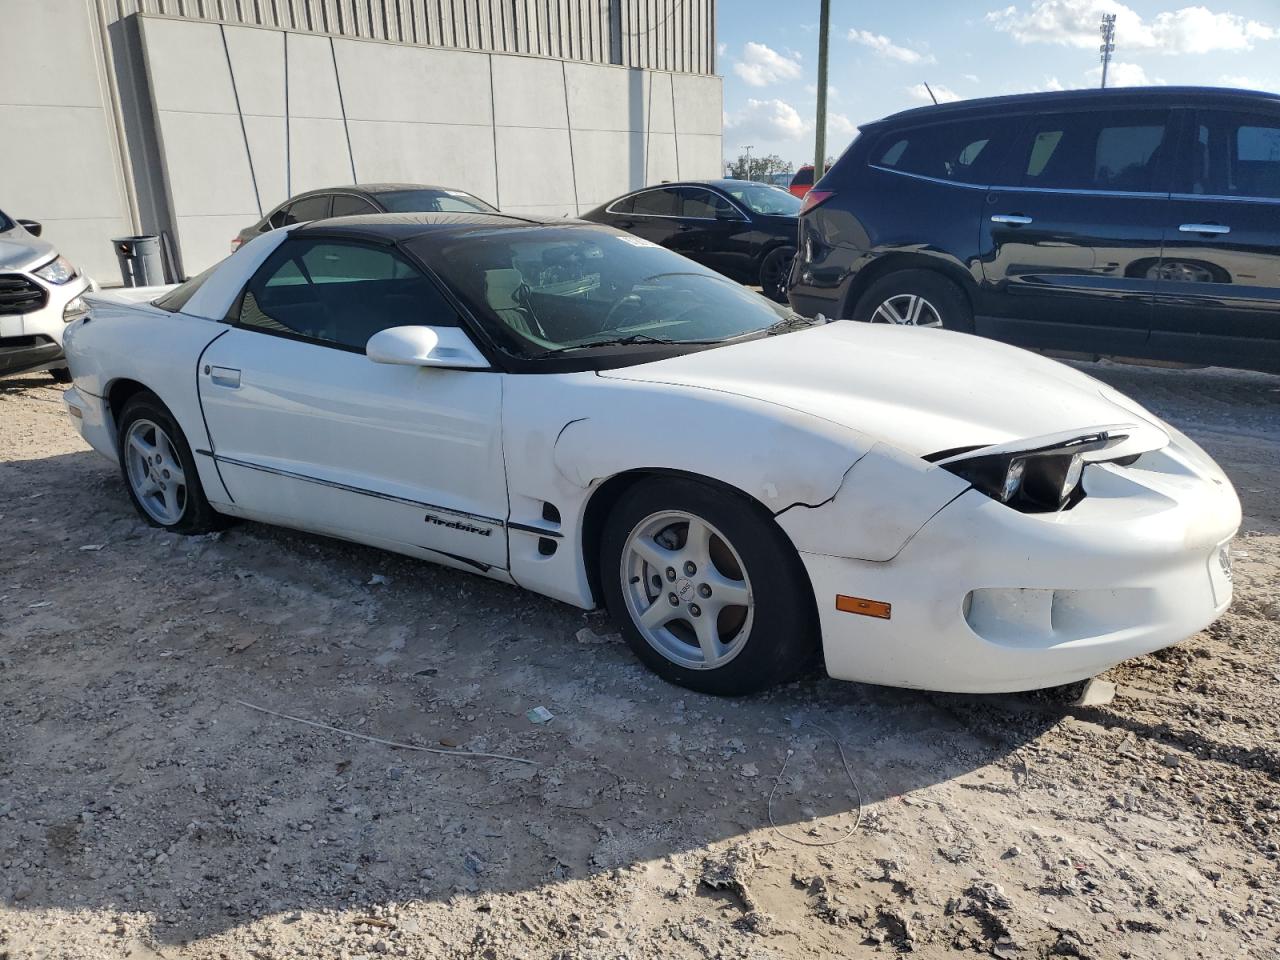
(127, 295)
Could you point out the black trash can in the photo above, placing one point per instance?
(140, 262)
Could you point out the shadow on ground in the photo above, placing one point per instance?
(131, 780)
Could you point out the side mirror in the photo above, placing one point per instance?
(33, 227)
(448, 347)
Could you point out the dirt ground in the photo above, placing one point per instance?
(146, 812)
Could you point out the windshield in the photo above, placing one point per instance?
(433, 201)
(765, 200)
(565, 290)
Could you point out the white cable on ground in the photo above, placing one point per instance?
(848, 772)
(389, 743)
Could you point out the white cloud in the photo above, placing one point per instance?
(887, 48)
(840, 126)
(1247, 83)
(1122, 75)
(762, 65)
(721, 49)
(768, 120)
(971, 77)
(944, 94)
(1075, 23)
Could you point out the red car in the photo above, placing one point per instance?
(802, 181)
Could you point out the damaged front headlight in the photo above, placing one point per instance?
(1036, 480)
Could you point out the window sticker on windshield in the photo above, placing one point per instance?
(637, 241)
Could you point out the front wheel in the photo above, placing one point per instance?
(775, 270)
(159, 470)
(916, 298)
(709, 592)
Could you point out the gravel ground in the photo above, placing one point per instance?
(145, 811)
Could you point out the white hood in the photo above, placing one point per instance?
(921, 390)
(19, 250)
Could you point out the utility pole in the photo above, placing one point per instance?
(820, 135)
(1108, 30)
(747, 147)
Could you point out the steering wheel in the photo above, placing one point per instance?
(629, 302)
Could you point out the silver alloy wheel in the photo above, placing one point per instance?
(687, 590)
(908, 309)
(155, 472)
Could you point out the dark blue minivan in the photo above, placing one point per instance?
(1137, 222)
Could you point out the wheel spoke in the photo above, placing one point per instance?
(914, 306)
(697, 545)
(654, 555)
(659, 612)
(176, 476)
(726, 592)
(146, 450)
(171, 505)
(708, 638)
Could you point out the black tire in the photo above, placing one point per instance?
(947, 300)
(197, 516)
(783, 633)
(775, 273)
(61, 374)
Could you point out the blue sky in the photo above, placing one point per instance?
(882, 53)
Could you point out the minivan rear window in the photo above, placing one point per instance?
(965, 151)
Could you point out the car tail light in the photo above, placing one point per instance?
(235, 244)
(814, 199)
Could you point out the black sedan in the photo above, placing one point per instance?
(744, 230)
(364, 198)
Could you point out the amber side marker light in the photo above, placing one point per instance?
(860, 605)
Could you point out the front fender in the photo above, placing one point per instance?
(883, 501)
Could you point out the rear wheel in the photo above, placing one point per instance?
(916, 298)
(709, 592)
(159, 470)
(775, 270)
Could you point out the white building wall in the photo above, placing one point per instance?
(247, 116)
(59, 161)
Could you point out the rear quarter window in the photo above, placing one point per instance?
(963, 151)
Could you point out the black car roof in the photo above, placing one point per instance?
(1119, 96)
(406, 226)
(372, 189)
(721, 183)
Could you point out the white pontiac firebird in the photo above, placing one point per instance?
(576, 411)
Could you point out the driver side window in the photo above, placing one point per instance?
(339, 293)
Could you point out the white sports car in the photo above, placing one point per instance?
(576, 411)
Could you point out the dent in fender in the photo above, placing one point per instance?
(775, 462)
(885, 499)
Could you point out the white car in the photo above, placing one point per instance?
(576, 411)
(40, 293)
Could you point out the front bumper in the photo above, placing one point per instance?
(33, 341)
(986, 599)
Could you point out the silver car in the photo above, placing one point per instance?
(39, 295)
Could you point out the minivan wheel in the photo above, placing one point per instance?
(916, 298)
(775, 270)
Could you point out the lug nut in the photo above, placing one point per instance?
(671, 574)
(675, 601)
(695, 609)
(689, 568)
(704, 591)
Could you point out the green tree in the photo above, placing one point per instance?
(756, 168)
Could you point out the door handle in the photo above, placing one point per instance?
(1017, 219)
(1204, 228)
(223, 376)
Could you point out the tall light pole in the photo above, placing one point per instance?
(747, 147)
(1108, 30)
(820, 135)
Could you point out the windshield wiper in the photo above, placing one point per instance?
(629, 340)
(792, 322)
